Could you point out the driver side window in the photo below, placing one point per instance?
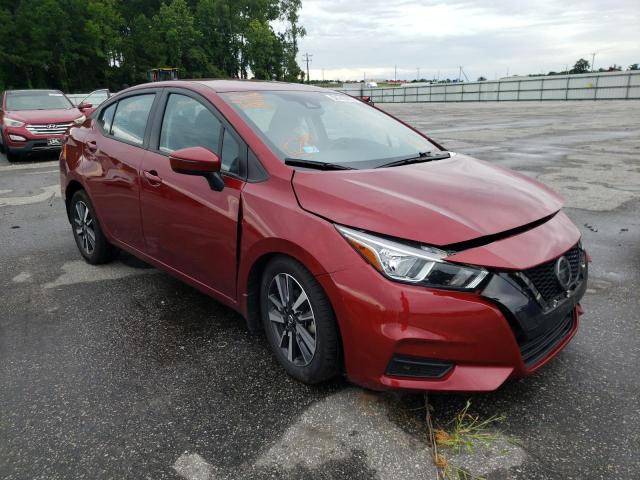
(188, 123)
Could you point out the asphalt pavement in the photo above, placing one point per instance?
(121, 371)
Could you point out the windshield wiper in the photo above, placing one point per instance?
(300, 162)
(421, 157)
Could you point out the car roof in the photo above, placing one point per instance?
(252, 85)
(236, 85)
(33, 90)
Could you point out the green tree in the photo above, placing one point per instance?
(79, 45)
(290, 15)
(261, 45)
(581, 66)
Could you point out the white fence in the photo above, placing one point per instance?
(595, 86)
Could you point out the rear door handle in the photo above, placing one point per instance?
(152, 177)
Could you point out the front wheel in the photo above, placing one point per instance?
(299, 321)
(93, 245)
(12, 157)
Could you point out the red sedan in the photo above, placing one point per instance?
(36, 120)
(355, 242)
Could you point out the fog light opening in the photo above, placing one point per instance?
(17, 138)
(406, 366)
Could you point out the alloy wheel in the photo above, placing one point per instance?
(84, 227)
(292, 319)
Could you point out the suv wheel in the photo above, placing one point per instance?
(299, 321)
(91, 242)
(13, 157)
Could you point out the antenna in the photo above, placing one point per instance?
(462, 72)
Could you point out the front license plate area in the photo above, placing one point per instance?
(54, 142)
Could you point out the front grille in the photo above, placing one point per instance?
(543, 277)
(535, 350)
(49, 129)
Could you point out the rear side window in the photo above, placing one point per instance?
(188, 123)
(106, 118)
(130, 119)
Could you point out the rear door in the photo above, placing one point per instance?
(114, 151)
(186, 225)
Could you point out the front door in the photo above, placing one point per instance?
(186, 224)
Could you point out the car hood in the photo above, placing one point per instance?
(439, 203)
(45, 116)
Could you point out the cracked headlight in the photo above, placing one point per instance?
(414, 264)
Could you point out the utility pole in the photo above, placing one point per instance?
(593, 61)
(307, 58)
(395, 73)
(323, 75)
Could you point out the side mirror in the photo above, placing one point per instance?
(198, 161)
(85, 106)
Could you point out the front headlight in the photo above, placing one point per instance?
(80, 120)
(10, 122)
(415, 264)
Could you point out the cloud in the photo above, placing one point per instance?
(348, 38)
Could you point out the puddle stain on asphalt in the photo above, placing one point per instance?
(192, 466)
(79, 271)
(46, 194)
(351, 424)
(22, 277)
(349, 420)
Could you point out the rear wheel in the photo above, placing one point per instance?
(93, 245)
(299, 321)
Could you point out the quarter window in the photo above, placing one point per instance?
(188, 123)
(230, 154)
(130, 120)
(106, 118)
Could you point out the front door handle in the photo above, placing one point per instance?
(152, 177)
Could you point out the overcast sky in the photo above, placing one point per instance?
(350, 37)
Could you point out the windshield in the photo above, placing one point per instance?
(37, 100)
(327, 127)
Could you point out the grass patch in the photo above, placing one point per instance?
(467, 430)
(464, 432)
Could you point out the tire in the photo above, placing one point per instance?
(291, 321)
(13, 157)
(2, 148)
(86, 230)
